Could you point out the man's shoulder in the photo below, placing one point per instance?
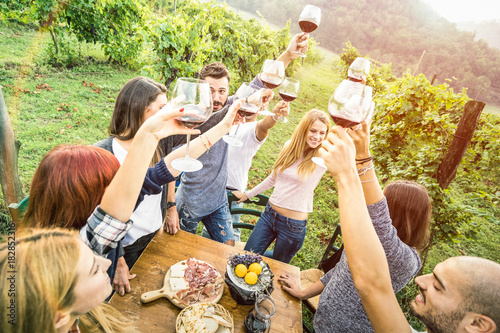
(105, 143)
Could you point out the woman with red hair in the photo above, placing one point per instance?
(70, 179)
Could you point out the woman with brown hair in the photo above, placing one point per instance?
(105, 227)
(401, 215)
(294, 178)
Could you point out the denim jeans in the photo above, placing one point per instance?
(218, 223)
(234, 218)
(289, 235)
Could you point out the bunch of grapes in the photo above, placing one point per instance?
(245, 259)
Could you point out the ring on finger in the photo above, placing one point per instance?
(357, 127)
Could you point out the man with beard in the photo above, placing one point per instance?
(202, 194)
(461, 295)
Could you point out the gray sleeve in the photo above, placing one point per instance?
(403, 260)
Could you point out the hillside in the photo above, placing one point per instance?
(400, 32)
(489, 31)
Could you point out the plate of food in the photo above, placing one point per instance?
(204, 318)
(248, 276)
(189, 282)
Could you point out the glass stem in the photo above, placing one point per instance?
(187, 145)
(236, 131)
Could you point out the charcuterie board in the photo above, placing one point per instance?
(189, 282)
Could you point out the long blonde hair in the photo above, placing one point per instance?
(45, 262)
(298, 147)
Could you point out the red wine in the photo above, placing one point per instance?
(246, 112)
(271, 83)
(287, 97)
(307, 26)
(344, 122)
(191, 120)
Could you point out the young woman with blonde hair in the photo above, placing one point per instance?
(60, 286)
(294, 178)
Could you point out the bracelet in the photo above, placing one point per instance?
(367, 181)
(204, 143)
(362, 171)
(363, 160)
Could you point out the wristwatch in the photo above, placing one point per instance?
(170, 204)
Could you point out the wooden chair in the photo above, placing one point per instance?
(259, 200)
(17, 210)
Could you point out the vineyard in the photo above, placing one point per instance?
(63, 64)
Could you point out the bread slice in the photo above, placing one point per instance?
(210, 324)
(221, 321)
(223, 329)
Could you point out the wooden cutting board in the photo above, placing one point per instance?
(167, 292)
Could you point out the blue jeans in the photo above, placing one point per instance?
(218, 223)
(234, 218)
(289, 235)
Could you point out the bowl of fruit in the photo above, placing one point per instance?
(248, 276)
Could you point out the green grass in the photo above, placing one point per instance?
(75, 113)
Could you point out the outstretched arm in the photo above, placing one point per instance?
(281, 108)
(365, 255)
(121, 195)
(202, 143)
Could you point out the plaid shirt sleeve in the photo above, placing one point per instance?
(102, 232)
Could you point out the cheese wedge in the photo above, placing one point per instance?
(177, 271)
(177, 284)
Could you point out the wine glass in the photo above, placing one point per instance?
(288, 92)
(252, 104)
(309, 20)
(350, 104)
(195, 97)
(272, 75)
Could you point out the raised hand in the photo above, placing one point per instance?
(163, 123)
(360, 135)
(281, 109)
(298, 43)
(338, 152)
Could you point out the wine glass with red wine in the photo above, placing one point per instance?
(289, 90)
(195, 97)
(309, 20)
(272, 75)
(252, 104)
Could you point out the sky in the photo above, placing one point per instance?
(466, 10)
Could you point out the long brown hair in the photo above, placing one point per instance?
(298, 147)
(410, 209)
(133, 100)
(68, 185)
(47, 274)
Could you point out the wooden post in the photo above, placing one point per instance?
(448, 168)
(418, 64)
(9, 178)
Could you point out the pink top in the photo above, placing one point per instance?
(290, 190)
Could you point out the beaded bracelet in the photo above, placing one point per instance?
(362, 171)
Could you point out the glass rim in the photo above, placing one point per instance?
(191, 79)
(261, 299)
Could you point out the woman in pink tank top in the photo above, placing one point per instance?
(294, 178)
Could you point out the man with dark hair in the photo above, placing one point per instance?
(217, 75)
(461, 295)
(201, 195)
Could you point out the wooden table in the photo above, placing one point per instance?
(166, 250)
